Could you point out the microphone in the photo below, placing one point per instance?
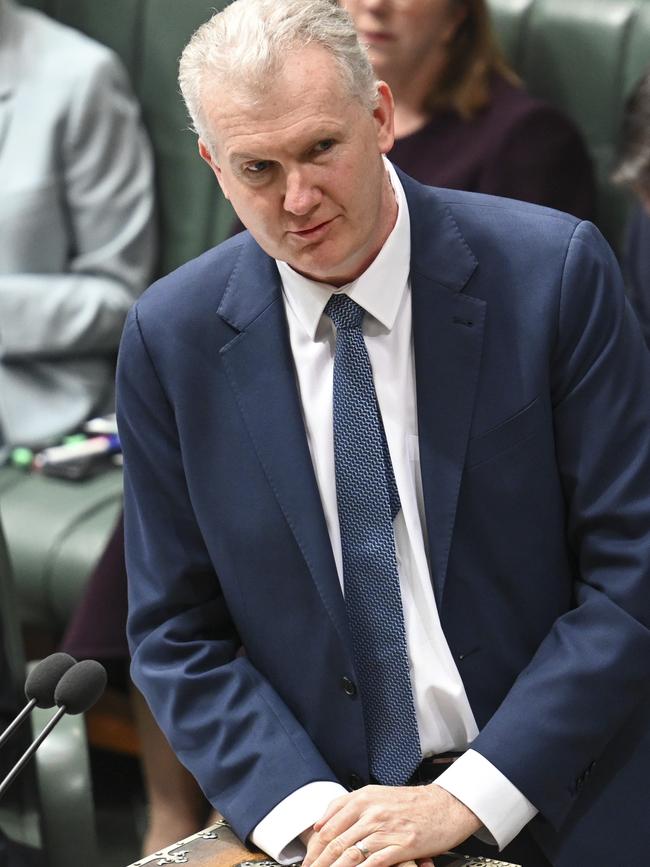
(77, 691)
(80, 687)
(39, 688)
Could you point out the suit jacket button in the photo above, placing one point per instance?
(348, 687)
(355, 781)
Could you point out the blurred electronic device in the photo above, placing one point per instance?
(78, 460)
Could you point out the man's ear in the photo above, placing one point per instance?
(206, 155)
(384, 115)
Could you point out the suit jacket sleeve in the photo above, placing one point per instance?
(637, 268)
(591, 672)
(224, 720)
(105, 175)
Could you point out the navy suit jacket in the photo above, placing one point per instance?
(636, 267)
(534, 428)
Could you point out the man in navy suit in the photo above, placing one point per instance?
(504, 384)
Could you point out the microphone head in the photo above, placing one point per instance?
(81, 686)
(44, 677)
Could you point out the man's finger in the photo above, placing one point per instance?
(330, 844)
(354, 856)
(332, 808)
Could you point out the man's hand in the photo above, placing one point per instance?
(394, 825)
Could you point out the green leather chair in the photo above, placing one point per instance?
(583, 56)
(56, 531)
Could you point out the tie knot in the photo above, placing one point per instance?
(344, 312)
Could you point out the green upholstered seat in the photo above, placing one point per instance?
(583, 56)
(56, 530)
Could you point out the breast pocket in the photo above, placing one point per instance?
(505, 436)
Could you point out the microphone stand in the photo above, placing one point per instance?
(11, 728)
(29, 752)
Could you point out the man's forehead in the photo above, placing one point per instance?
(241, 124)
(297, 102)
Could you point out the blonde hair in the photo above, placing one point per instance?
(243, 46)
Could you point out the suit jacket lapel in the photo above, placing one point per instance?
(259, 366)
(448, 340)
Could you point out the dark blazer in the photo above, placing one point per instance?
(516, 146)
(636, 267)
(534, 426)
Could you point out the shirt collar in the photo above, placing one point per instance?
(379, 290)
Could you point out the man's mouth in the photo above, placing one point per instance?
(311, 232)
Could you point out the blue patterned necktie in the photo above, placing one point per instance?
(368, 501)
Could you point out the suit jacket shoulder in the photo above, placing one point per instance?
(185, 301)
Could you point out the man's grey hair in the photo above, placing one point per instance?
(242, 48)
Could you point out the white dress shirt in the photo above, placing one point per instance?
(445, 719)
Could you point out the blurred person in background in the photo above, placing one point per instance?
(77, 230)
(462, 118)
(77, 247)
(633, 171)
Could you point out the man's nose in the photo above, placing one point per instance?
(302, 195)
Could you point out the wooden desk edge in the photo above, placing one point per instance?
(217, 846)
(214, 846)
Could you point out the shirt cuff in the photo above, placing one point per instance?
(277, 833)
(490, 795)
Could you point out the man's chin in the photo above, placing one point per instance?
(316, 262)
(333, 274)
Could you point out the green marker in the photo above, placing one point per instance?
(73, 439)
(22, 457)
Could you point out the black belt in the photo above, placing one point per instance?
(430, 768)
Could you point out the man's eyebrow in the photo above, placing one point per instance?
(310, 142)
(237, 157)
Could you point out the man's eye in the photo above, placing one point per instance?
(325, 145)
(256, 168)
